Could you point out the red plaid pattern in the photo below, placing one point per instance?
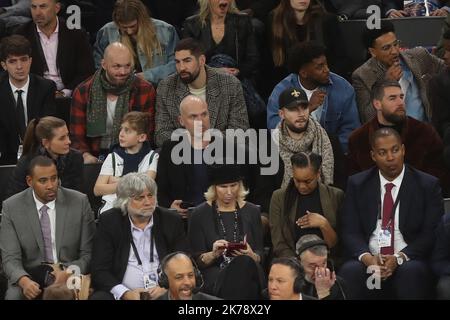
(142, 99)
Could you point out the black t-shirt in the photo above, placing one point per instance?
(231, 227)
(310, 202)
(198, 179)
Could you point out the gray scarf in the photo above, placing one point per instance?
(315, 139)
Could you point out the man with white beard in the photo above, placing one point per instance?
(130, 241)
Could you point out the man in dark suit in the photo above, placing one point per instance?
(59, 53)
(187, 181)
(24, 96)
(182, 278)
(45, 223)
(389, 216)
(124, 265)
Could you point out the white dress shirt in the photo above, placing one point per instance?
(399, 242)
(52, 215)
(24, 96)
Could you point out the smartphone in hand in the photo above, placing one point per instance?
(186, 205)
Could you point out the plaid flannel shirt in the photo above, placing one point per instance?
(142, 98)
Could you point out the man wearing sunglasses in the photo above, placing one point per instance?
(412, 68)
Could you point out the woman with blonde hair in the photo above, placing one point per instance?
(48, 136)
(223, 31)
(225, 236)
(151, 41)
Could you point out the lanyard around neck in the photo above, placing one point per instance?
(136, 253)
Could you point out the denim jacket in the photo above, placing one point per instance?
(339, 114)
(163, 65)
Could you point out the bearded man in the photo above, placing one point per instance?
(130, 241)
(222, 92)
(298, 132)
(424, 147)
(100, 102)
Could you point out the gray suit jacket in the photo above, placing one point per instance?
(21, 239)
(224, 95)
(422, 64)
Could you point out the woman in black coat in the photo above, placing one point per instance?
(223, 31)
(48, 136)
(225, 236)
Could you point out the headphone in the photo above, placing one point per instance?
(163, 280)
(294, 264)
(299, 281)
(310, 244)
(320, 242)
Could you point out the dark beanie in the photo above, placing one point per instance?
(224, 173)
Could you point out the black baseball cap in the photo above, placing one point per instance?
(292, 97)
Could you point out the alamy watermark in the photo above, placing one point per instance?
(74, 19)
(236, 146)
(374, 19)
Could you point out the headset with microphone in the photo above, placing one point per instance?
(163, 280)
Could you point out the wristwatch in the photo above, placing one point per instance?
(399, 258)
(342, 17)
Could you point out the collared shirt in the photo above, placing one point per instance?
(134, 274)
(413, 101)
(24, 96)
(399, 242)
(316, 114)
(50, 49)
(52, 215)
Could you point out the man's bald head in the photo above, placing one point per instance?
(190, 100)
(180, 274)
(193, 108)
(118, 63)
(116, 48)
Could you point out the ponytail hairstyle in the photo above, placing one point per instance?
(299, 160)
(37, 130)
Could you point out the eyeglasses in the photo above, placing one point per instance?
(388, 47)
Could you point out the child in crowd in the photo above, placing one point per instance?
(132, 154)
